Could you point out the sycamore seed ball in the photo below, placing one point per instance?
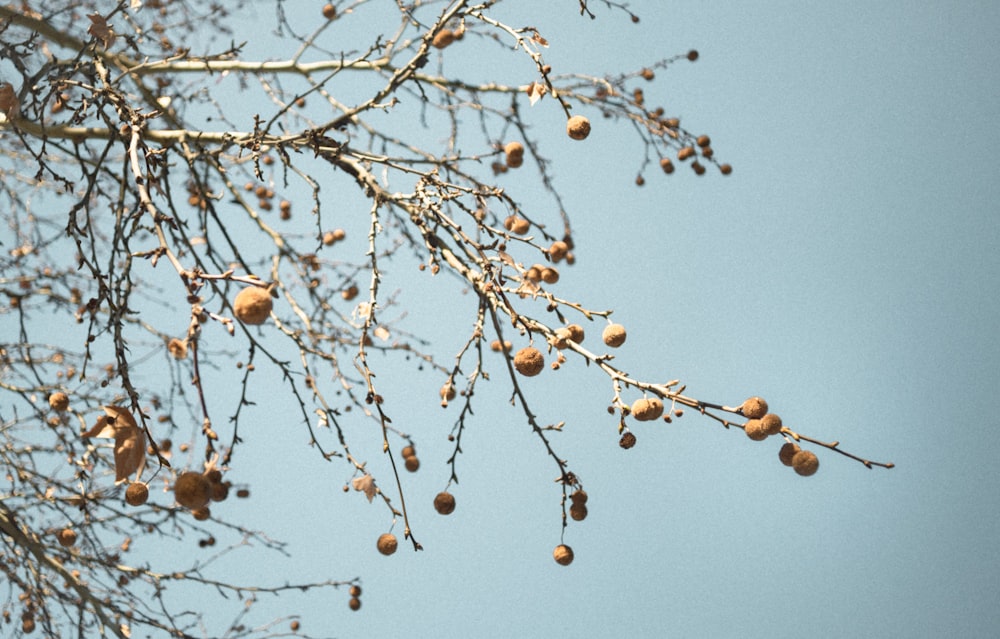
(67, 537)
(578, 512)
(627, 440)
(201, 514)
(192, 490)
(252, 305)
(354, 603)
(754, 429)
(563, 555)
(517, 225)
(529, 361)
(136, 494)
(387, 543)
(646, 409)
(329, 11)
(59, 401)
(578, 127)
(754, 408)
(805, 463)
(443, 38)
(614, 335)
(787, 452)
(444, 503)
(412, 463)
(771, 424)
(355, 591)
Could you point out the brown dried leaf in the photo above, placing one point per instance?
(100, 29)
(9, 104)
(365, 484)
(130, 441)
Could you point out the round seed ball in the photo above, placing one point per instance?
(517, 225)
(627, 441)
(354, 603)
(578, 512)
(563, 555)
(558, 250)
(443, 38)
(444, 503)
(529, 361)
(754, 429)
(754, 408)
(578, 496)
(67, 537)
(771, 424)
(136, 494)
(387, 543)
(59, 401)
(329, 11)
(667, 166)
(805, 463)
(252, 305)
(192, 490)
(787, 452)
(575, 333)
(647, 409)
(578, 127)
(355, 591)
(412, 463)
(201, 514)
(614, 335)
(408, 451)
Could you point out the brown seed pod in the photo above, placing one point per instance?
(220, 491)
(355, 591)
(295, 625)
(192, 490)
(354, 603)
(754, 408)
(787, 452)
(578, 512)
(408, 451)
(578, 127)
(725, 169)
(698, 167)
(443, 38)
(646, 409)
(805, 463)
(177, 348)
(578, 496)
(444, 503)
(754, 429)
(529, 361)
(329, 11)
(575, 333)
(59, 401)
(517, 225)
(614, 335)
(692, 55)
(412, 463)
(563, 555)
(667, 166)
(627, 440)
(136, 494)
(252, 305)
(387, 543)
(28, 624)
(703, 141)
(550, 275)
(201, 514)
(647, 74)
(685, 153)
(558, 250)
(771, 424)
(67, 537)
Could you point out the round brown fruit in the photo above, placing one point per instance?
(67, 537)
(754, 408)
(329, 11)
(578, 127)
(614, 335)
(627, 440)
(575, 333)
(443, 38)
(355, 591)
(754, 429)
(771, 424)
(354, 603)
(805, 463)
(59, 401)
(529, 361)
(578, 496)
(136, 494)
(563, 555)
(252, 305)
(412, 463)
(192, 490)
(787, 452)
(444, 503)
(387, 543)
(517, 225)
(646, 409)
(578, 512)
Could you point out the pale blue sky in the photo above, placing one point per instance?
(847, 271)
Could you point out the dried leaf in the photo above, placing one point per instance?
(365, 484)
(100, 29)
(382, 333)
(9, 104)
(130, 441)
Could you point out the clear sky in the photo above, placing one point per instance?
(847, 271)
